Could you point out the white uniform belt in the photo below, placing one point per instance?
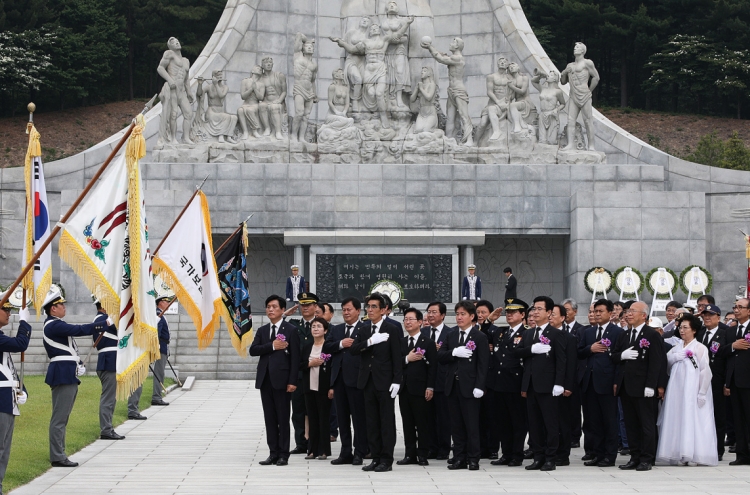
(72, 352)
(8, 384)
(108, 349)
(63, 358)
(108, 335)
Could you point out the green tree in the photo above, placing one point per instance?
(709, 151)
(736, 154)
(24, 63)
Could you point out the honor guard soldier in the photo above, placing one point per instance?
(106, 370)
(10, 395)
(162, 303)
(295, 285)
(64, 368)
(472, 286)
(307, 302)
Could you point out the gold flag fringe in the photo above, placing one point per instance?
(77, 259)
(240, 344)
(133, 377)
(34, 149)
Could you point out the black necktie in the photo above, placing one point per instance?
(411, 343)
(536, 333)
(599, 334)
(374, 329)
(567, 328)
(707, 338)
(307, 326)
(463, 338)
(273, 332)
(740, 332)
(348, 332)
(434, 334)
(633, 334)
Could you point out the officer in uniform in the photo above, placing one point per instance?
(10, 395)
(471, 289)
(307, 303)
(295, 285)
(106, 370)
(64, 368)
(162, 303)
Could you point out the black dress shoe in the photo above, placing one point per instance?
(458, 465)
(630, 465)
(342, 460)
(562, 462)
(371, 466)
(422, 461)
(269, 460)
(515, 463)
(534, 466)
(549, 466)
(721, 457)
(588, 457)
(138, 416)
(406, 461)
(644, 466)
(431, 454)
(356, 461)
(575, 445)
(159, 403)
(299, 450)
(592, 462)
(740, 462)
(625, 452)
(282, 462)
(606, 463)
(493, 455)
(473, 466)
(113, 436)
(64, 463)
(367, 456)
(452, 460)
(383, 467)
(503, 461)
(528, 454)
(442, 457)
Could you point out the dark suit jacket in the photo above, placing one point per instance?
(395, 323)
(324, 378)
(489, 330)
(382, 362)
(283, 366)
(543, 371)
(440, 369)
(510, 287)
(471, 372)
(419, 375)
(647, 368)
(719, 350)
(506, 366)
(571, 361)
(599, 369)
(738, 363)
(343, 361)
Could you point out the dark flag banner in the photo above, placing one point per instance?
(231, 261)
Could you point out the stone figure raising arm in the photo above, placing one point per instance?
(305, 70)
(174, 68)
(218, 123)
(458, 97)
(427, 120)
(522, 107)
(578, 74)
(551, 101)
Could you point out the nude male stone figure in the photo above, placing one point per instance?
(174, 68)
(578, 74)
(305, 71)
(273, 106)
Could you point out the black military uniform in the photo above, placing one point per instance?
(298, 397)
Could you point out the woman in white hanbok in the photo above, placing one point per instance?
(687, 433)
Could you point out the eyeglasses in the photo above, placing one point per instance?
(739, 307)
(372, 306)
(535, 308)
(411, 319)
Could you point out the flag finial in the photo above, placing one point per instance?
(31, 108)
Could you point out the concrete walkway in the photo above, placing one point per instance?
(209, 441)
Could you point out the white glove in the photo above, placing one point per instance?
(21, 398)
(462, 352)
(648, 392)
(478, 393)
(540, 348)
(629, 354)
(109, 321)
(378, 338)
(24, 314)
(394, 390)
(701, 400)
(557, 391)
(81, 370)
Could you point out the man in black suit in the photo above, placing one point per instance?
(388, 310)
(543, 351)
(489, 428)
(510, 284)
(509, 407)
(438, 412)
(572, 327)
(565, 402)
(597, 379)
(308, 303)
(640, 353)
(738, 382)
(419, 361)
(350, 400)
(466, 354)
(714, 337)
(276, 377)
(380, 369)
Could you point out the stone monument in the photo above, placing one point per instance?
(175, 94)
(305, 70)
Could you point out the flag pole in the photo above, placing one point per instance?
(75, 205)
(197, 189)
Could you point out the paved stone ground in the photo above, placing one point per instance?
(209, 440)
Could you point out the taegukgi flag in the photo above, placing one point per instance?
(106, 245)
(186, 263)
(37, 230)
